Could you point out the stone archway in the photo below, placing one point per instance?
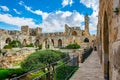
(106, 46)
(59, 43)
(45, 44)
(8, 40)
(37, 43)
(86, 40)
(74, 33)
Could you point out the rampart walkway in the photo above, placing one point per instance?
(91, 69)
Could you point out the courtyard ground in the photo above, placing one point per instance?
(91, 69)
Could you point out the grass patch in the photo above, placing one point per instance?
(9, 73)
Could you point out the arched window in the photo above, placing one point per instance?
(74, 33)
(86, 40)
(59, 43)
(8, 40)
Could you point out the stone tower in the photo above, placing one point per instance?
(66, 29)
(87, 23)
(38, 30)
(25, 30)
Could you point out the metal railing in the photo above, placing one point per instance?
(50, 71)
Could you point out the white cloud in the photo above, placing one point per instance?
(9, 19)
(67, 2)
(56, 21)
(38, 12)
(66, 14)
(4, 8)
(91, 3)
(17, 12)
(94, 4)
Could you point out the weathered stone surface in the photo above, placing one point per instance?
(10, 59)
(109, 24)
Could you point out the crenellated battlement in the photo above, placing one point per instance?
(3, 31)
(53, 34)
(25, 30)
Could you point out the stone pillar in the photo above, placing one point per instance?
(43, 45)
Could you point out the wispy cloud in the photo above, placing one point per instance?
(17, 12)
(4, 8)
(37, 12)
(9, 19)
(21, 3)
(67, 2)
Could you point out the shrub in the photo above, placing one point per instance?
(7, 47)
(37, 74)
(30, 45)
(40, 59)
(40, 46)
(62, 54)
(63, 72)
(12, 44)
(15, 43)
(73, 46)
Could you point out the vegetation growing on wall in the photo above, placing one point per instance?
(116, 10)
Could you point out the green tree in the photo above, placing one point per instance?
(41, 58)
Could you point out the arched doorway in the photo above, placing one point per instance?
(74, 33)
(45, 44)
(24, 43)
(59, 43)
(37, 43)
(8, 40)
(86, 40)
(106, 46)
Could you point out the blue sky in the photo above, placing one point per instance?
(50, 15)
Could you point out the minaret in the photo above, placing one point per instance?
(87, 23)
